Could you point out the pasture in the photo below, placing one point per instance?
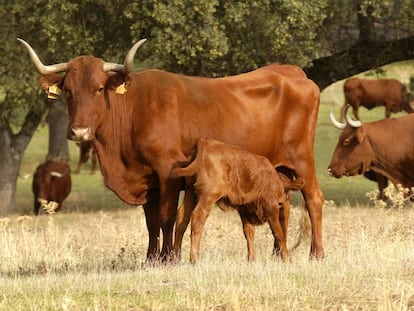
(90, 255)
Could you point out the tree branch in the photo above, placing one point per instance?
(362, 56)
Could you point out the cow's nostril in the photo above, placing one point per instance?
(81, 133)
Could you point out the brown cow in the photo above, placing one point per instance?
(86, 152)
(232, 176)
(51, 183)
(391, 94)
(368, 147)
(150, 120)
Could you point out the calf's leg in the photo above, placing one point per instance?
(277, 231)
(183, 218)
(198, 219)
(249, 230)
(284, 214)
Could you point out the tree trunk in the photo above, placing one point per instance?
(11, 154)
(57, 119)
(9, 170)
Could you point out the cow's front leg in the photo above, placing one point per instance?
(152, 216)
(170, 190)
(284, 213)
(355, 111)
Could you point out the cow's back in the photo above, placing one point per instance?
(260, 111)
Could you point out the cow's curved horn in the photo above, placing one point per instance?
(43, 69)
(56, 174)
(337, 124)
(128, 62)
(348, 119)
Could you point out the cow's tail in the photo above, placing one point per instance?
(189, 167)
(304, 230)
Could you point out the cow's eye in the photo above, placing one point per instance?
(100, 90)
(68, 94)
(347, 141)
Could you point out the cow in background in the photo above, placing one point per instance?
(51, 183)
(383, 147)
(390, 93)
(86, 152)
(232, 176)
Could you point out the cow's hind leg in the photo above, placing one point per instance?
(314, 203)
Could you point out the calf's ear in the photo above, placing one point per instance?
(295, 184)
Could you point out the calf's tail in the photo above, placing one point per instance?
(186, 168)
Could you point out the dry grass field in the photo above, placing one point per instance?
(94, 261)
(90, 256)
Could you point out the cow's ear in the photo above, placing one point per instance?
(117, 82)
(51, 84)
(348, 140)
(360, 134)
(296, 184)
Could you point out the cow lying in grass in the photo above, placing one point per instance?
(231, 176)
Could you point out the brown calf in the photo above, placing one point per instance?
(232, 176)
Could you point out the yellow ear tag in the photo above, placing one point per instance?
(53, 92)
(121, 89)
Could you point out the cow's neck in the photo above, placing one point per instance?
(392, 160)
(118, 157)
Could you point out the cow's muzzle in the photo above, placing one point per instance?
(80, 134)
(333, 173)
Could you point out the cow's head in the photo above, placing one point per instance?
(46, 175)
(353, 153)
(86, 82)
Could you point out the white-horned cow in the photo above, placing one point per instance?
(142, 123)
(369, 148)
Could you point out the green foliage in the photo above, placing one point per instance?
(185, 36)
(269, 31)
(59, 31)
(225, 37)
